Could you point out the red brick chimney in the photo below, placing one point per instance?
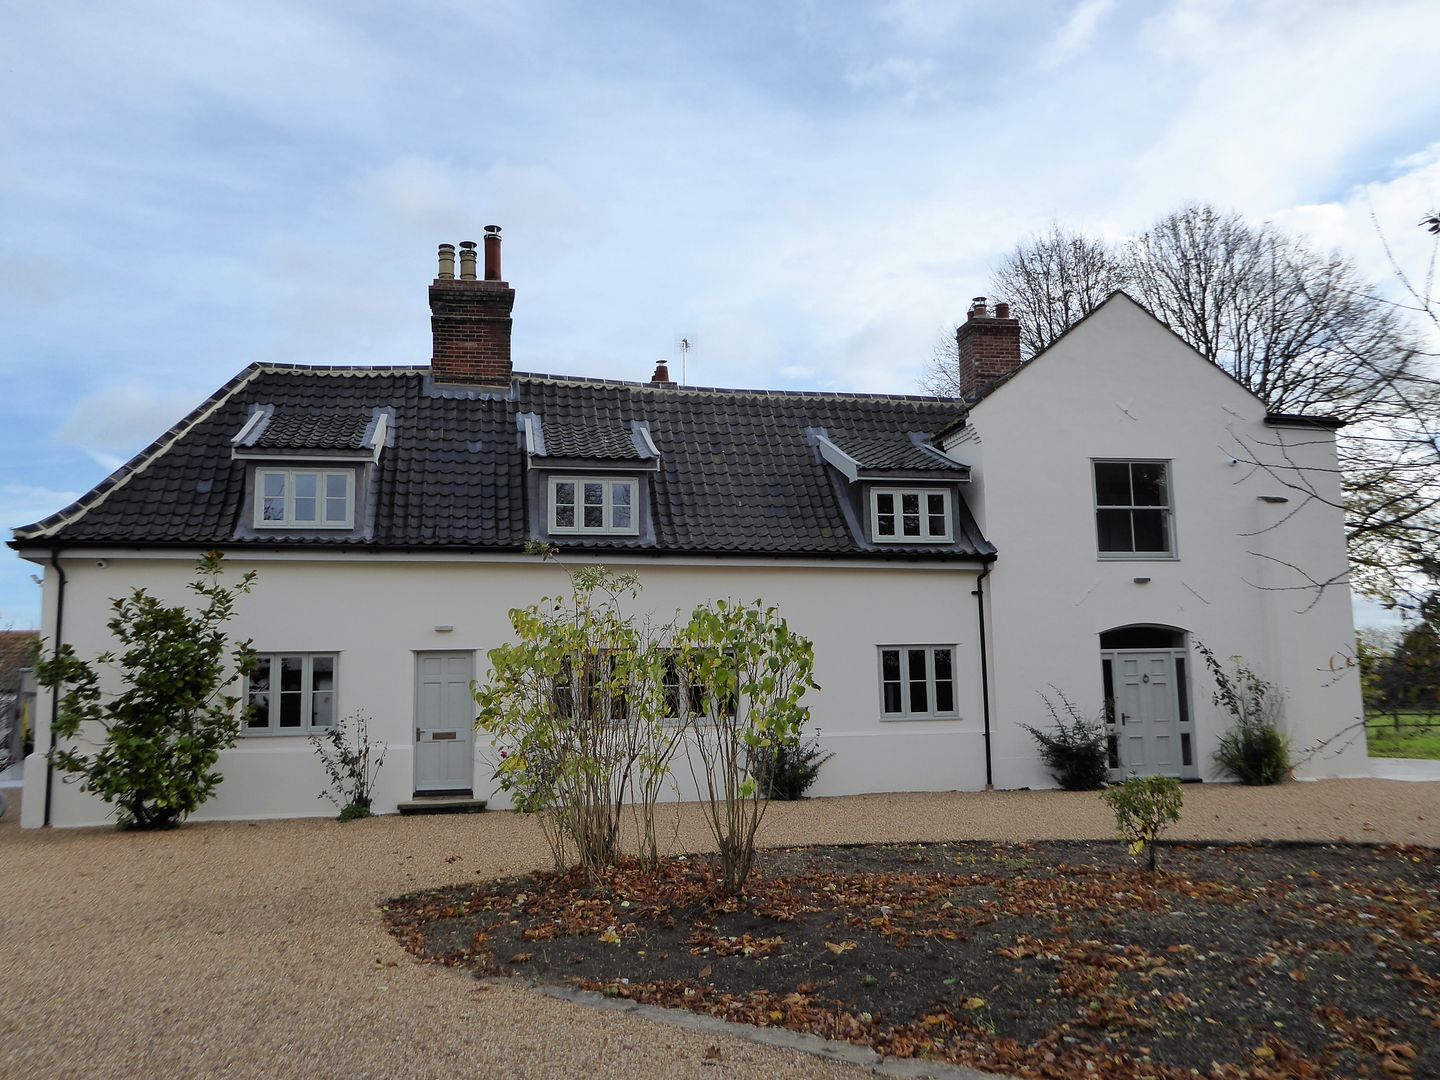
(989, 346)
(470, 317)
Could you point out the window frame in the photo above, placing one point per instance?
(608, 506)
(1167, 510)
(925, 536)
(907, 713)
(307, 695)
(289, 521)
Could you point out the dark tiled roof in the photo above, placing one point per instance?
(315, 431)
(737, 472)
(891, 450)
(612, 443)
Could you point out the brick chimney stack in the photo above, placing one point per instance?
(989, 346)
(470, 317)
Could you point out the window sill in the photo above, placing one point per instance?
(1128, 556)
(945, 718)
(288, 733)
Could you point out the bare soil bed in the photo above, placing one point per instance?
(1052, 959)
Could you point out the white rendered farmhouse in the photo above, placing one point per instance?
(1078, 521)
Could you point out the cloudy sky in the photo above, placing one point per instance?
(808, 191)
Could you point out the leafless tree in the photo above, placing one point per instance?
(1052, 281)
(1301, 328)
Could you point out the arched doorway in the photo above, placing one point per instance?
(1149, 724)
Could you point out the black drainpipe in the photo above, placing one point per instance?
(55, 690)
(979, 595)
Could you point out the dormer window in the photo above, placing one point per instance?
(593, 504)
(910, 516)
(304, 498)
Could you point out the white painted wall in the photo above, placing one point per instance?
(1120, 385)
(377, 613)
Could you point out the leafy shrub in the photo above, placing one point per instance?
(1075, 752)
(749, 671)
(786, 769)
(1143, 807)
(351, 764)
(163, 734)
(1255, 750)
(576, 708)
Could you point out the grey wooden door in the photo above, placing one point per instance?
(1146, 713)
(444, 723)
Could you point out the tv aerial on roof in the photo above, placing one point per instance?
(683, 345)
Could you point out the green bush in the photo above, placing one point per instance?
(786, 769)
(1143, 807)
(1075, 752)
(1255, 750)
(159, 739)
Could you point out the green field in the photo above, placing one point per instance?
(1418, 735)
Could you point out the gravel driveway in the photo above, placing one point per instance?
(244, 949)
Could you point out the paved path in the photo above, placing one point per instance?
(256, 949)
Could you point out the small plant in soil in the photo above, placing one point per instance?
(1254, 750)
(787, 768)
(1144, 806)
(351, 762)
(1074, 751)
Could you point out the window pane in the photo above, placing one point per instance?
(260, 716)
(1107, 674)
(305, 484)
(622, 517)
(935, 503)
(323, 673)
(620, 493)
(260, 677)
(944, 696)
(335, 485)
(885, 503)
(564, 493)
(292, 673)
(1182, 694)
(910, 502)
(1114, 530)
(275, 484)
(1112, 483)
(275, 509)
(1150, 532)
(322, 709)
(304, 508)
(564, 516)
(290, 710)
(1185, 748)
(594, 516)
(885, 525)
(919, 685)
(890, 664)
(937, 525)
(911, 524)
(336, 510)
(595, 494)
(943, 665)
(892, 698)
(1150, 486)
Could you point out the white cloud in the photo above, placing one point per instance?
(112, 425)
(1077, 33)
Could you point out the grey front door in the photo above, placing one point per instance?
(1146, 713)
(444, 723)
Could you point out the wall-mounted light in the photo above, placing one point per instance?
(1142, 581)
(1273, 499)
(444, 629)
